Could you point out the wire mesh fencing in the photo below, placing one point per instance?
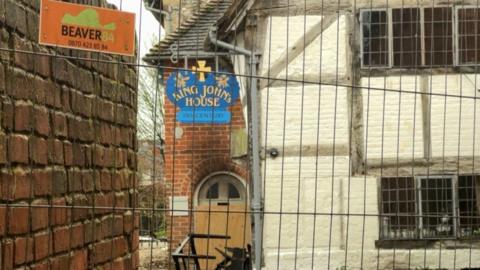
(275, 134)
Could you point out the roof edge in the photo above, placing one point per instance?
(185, 26)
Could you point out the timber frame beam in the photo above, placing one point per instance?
(298, 47)
(307, 79)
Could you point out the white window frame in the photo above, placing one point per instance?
(389, 37)
(454, 34)
(457, 36)
(457, 225)
(418, 191)
(418, 206)
(422, 35)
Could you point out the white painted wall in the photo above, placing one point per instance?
(324, 55)
(453, 119)
(300, 112)
(322, 184)
(392, 119)
(239, 63)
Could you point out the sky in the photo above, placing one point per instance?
(144, 19)
(149, 32)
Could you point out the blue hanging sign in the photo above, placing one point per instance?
(202, 98)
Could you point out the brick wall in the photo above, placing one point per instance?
(67, 144)
(202, 149)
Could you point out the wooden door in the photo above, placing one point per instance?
(230, 220)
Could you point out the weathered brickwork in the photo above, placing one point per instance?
(192, 152)
(67, 152)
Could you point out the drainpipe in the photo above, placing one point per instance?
(256, 205)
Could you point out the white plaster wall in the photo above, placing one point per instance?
(356, 196)
(392, 119)
(292, 187)
(325, 54)
(374, 259)
(394, 123)
(240, 67)
(284, 117)
(323, 106)
(455, 115)
(295, 115)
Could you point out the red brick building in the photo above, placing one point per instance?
(205, 163)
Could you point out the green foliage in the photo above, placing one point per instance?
(162, 232)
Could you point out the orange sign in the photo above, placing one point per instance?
(87, 28)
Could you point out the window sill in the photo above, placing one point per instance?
(415, 70)
(429, 243)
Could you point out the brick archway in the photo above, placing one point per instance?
(209, 166)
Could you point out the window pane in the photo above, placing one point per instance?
(406, 37)
(437, 207)
(398, 208)
(438, 36)
(375, 38)
(468, 206)
(468, 35)
(233, 192)
(212, 192)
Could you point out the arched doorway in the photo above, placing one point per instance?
(220, 189)
(221, 204)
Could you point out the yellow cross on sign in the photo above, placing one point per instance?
(201, 69)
